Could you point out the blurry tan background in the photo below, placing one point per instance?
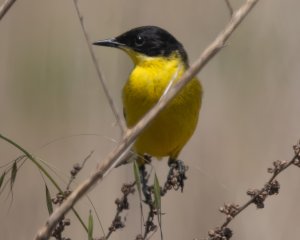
(250, 115)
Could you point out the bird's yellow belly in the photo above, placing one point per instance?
(169, 131)
(172, 128)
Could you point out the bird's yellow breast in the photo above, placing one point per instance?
(172, 128)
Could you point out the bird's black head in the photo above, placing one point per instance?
(148, 40)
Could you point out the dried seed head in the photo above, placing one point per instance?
(258, 198)
(297, 148)
(139, 237)
(220, 234)
(273, 187)
(77, 166)
(67, 222)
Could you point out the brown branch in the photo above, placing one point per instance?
(122, 204)
(5, 7)
(98, 71)
(282, 167)
(131, 134)
(257, 196)
(230, 8)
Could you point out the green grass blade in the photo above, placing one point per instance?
(157, 201)
(49, 201)
(90, 227)
(157, 196)
(137, 177)
(13, 175)
(44, 171)
(2, 179)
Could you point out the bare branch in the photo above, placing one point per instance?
(98, 71)
(122, 204)
(258, 196)
(131, 134)
(5, 7)
(230, 8)
(279, 166)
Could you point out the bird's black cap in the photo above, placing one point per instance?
(149, 40)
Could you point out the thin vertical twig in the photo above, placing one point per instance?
(230, 8)
(5, 7)
(98, 71)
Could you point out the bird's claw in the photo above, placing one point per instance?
(144, 182)
(177, 174)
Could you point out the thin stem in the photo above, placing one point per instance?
(98, 71)
(122, 204)
(252, 200)
(5, 7)
(230, 8)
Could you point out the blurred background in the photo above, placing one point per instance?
(52, 104)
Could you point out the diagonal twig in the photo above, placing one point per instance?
(131, 134)
(283, 166)
(99, 74)
(230, 8)
(5, 7)
(258, 196)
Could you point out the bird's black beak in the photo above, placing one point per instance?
(109, 43)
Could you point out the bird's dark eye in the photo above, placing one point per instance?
(139, 40)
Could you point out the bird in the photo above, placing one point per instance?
(159, 61)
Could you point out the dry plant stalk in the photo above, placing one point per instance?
(111, 103)
(5, 7)
(131, 134)
(230, 8)
(257, 196)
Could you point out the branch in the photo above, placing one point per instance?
(131, 134)
(5, 7)
(258, 196)
(99, 74)
(279, 166)
(230, 8)
(122, 204)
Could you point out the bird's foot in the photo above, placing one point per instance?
(146, 190)
(176, 176)
(147, 158)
